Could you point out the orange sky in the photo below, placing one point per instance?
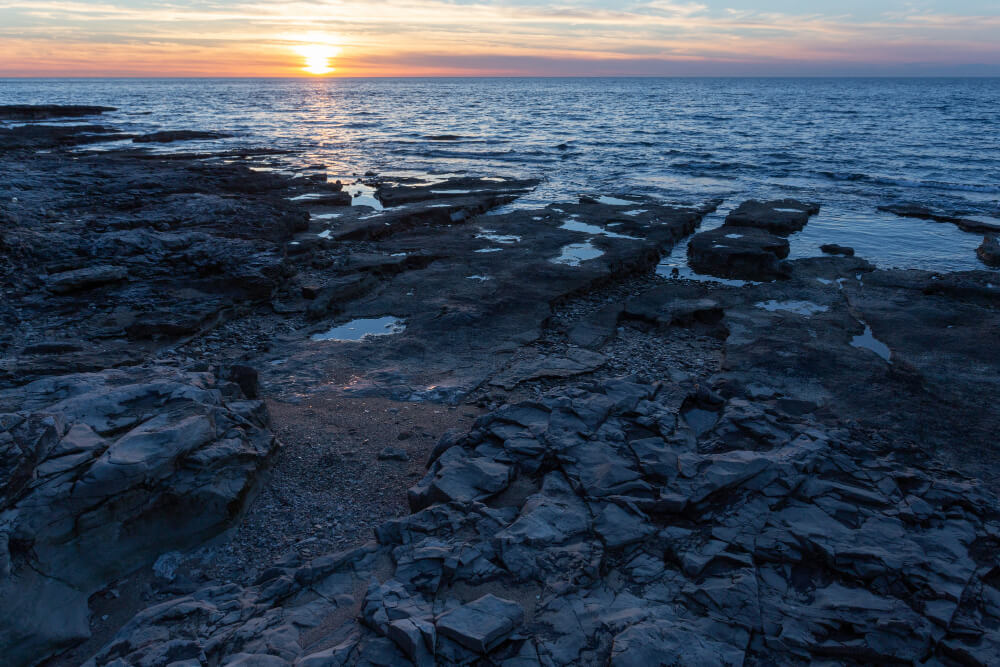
(441, 37)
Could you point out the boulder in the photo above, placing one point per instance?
(537, 365)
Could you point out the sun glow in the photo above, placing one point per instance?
(317, 58)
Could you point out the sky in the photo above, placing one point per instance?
(507, 38)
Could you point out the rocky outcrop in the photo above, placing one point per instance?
(599, 526)
(400, 193)
(152, 251)
(781, 216)
(470, 291)
(34, 137)
(935, 215)
(100, 474)
(750, 244)
(745, 253)
(989, 250)
(46, 111)
(834, 249)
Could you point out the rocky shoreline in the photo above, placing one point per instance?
(249, 416)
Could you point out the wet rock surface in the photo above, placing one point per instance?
(936, 215)
(468, 293)
(751, 243)
(170, 136)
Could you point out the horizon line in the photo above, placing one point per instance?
(507, 76)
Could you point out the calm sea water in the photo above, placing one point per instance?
(849, 144)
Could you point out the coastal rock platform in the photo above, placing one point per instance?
(504, 438)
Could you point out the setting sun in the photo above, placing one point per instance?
(317, 58)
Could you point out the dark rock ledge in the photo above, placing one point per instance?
(47, 111)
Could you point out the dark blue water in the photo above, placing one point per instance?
(849, 144)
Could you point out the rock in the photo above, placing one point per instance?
(745, 253)
(111, 470)
(618, 527)
(744, 547)
(482, 624)
(393, 454)
(332, 296)
(332, 198)
(170, 136)
(834, 249)
(782, 216)
(538, 365)
(397, 194)
(246, 378)
(594, 331)
(647, 643)
(925, 213)
(457, 475)
(670, 307)
(989, 250)
(34, 137)
(86, 278)
(46, 111)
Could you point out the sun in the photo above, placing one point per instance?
(317, 58)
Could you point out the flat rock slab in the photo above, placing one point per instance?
(481, 624)
(935, 215)
(397, 194)
(468, 295)
(536, 365)
(85, 278)
(781, 216)
(46, 111)
(745, 253)
(170, 136)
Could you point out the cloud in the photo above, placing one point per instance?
(420, 35)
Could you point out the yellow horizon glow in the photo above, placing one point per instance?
(317, 58)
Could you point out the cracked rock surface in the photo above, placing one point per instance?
(604, 528)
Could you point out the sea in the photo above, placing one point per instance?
(848, 144)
